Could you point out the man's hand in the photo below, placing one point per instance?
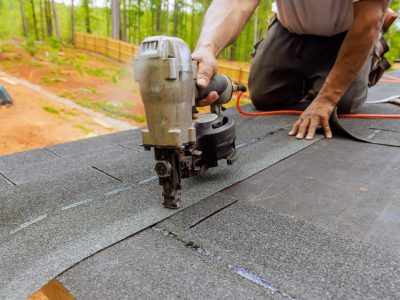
(361, 37)
(207, 65)
(207, 68)
(318, 113)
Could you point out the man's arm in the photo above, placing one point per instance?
(355, 50)
(222, 24)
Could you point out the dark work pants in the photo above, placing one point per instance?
(285, 66)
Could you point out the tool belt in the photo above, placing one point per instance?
(379, 63)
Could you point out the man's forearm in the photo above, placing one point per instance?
(355, 49)
(223, 23)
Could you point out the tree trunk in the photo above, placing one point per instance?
(49, 23)
(55, 18)
(153, 16)
(167, 19)
(232, 53)
(115, 15)
(41, 18)
(192, 27)
(124, 25)
(72, 22)
(131, 34)
(255, 37)
(139, 12)
(159, 16)
(86, 7)
(34, 20)
(176, 16)
(108, 13)
(23, 17)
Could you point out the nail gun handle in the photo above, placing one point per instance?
(218, 83)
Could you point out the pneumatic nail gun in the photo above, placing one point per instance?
(182, 147)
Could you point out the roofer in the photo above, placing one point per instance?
(321, 49)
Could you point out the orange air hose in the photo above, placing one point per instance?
(297, 112)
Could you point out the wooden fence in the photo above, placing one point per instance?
(126, 52)
(115, 49)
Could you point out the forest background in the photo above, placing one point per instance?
(133, 20)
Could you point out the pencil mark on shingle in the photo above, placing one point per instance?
(258, 138)
(144, 181)
(104, 172)
(383, 129)
(242, 272)
(259, 281)
(28, 223)
(126, 147)
(8, 179)
(76, 204)
(52, 152)
(117, 191)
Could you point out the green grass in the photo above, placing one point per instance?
(85, 102)
(109, 109)
(61, 112)
(4, 49)
(66, 94)
(30, 46)
(140, 119)
(48, 79)
(84, 129)
(51, 110)
(88, 89)
(98, 72)
(69, 112)
(56, 71)
(7, 64)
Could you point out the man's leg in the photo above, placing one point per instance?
(356, 94)
(321, 54)
(276, 79)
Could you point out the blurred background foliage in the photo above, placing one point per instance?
(55, 21)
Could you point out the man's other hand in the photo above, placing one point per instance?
(318, 113)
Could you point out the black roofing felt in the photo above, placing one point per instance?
(320, 223)
(75, 219)
(378, 131)
(155, 266)
(324, 223)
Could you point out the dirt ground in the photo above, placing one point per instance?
(36, 121)
(90, 80)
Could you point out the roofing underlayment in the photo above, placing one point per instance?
(290, 220)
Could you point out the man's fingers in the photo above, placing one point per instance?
(295, 127)
(204, 75)
(303, 129)
(211, 98)
(202, 82)
(206, 70)
(312, 128)
(327, 129)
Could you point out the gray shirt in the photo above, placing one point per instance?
(317, 17)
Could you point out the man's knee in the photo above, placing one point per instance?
(352, 101)
(275, 97)
(261, 99)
